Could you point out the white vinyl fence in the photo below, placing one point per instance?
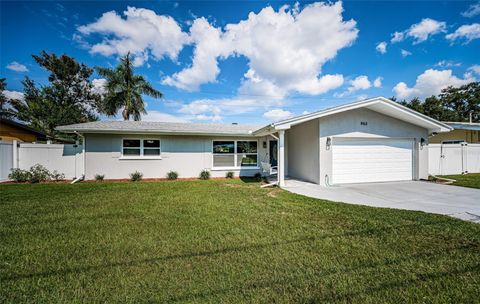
(64, 158)
(447, 159)
(6, 159)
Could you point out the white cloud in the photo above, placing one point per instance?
(286, 50)
(208, 46)
(475, 68)
(405, 53)
(316, 86)
(472, 11)
(421, 31)
(277, 114)
(99, 86)
(142, 32)
(448, 64)
(466, 32)
(216, 109)
(17, 67)
(377, 83)
(163, 117)
(208, 117)
(397, 37)
(381, 47)
(201, 106)
(361, 97)
(430, 82)
(13, 95)
(361, 83)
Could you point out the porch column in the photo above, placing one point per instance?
(281, 158)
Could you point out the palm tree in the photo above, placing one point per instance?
(124, 90)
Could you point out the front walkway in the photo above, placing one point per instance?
(459, 202)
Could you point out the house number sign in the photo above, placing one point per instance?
(363, 123)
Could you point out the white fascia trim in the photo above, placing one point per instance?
(153, 132)
(443, 127)
(286, 124)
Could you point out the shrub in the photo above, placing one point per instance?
(36, 174)
(172, 175)
(136, 176)
(99, 177)
(39, 173)
(57, 176)
(19, 175)
(229, 174)
(205, 174)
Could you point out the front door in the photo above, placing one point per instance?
(273, 152)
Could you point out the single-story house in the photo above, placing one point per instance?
(11, 130)
(374, 140)
(467, 132)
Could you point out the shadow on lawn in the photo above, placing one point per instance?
(249, 179)
(364, 232)
(420, 277)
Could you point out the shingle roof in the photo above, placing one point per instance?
(159, 128)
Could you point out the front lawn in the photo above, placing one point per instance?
(471, 180)
(225, 242)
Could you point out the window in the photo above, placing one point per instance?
(151, 147)
(223, 153)
(235, 153)
(246, 153)
(131, 147)
(141, 148)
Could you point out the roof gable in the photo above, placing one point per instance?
(378, 104)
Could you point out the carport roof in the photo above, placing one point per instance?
(464, 125)
(378, 104)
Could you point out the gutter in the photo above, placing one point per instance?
(153, 132)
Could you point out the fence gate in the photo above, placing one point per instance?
(459, 158)
(6, 159)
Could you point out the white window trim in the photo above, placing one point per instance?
(235, 154)
(142, 148)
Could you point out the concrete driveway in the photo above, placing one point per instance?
(459, 202)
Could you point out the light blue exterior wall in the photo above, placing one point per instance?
(187, 155)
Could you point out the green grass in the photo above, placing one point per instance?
(225, 242)
(471, 180)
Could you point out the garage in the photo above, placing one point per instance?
(362, 160)
(368, 141)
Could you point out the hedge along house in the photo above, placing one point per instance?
(374, 140)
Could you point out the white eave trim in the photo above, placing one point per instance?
(139, 132)
(436, 125)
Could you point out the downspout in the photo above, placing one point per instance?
(81, 177)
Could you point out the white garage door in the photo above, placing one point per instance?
(371, 160)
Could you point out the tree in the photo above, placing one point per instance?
(452, 104)
(124, 90)
(462, 102)
(67, 99)
(6, 110)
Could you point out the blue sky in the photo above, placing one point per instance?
(253, 61)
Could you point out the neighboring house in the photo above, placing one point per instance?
(11, 130)
(374, 140)
(462, 132)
